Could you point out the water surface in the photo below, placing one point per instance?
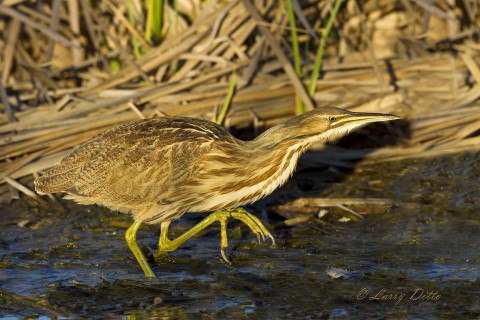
(416, 259)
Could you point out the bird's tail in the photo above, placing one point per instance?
(57, 179)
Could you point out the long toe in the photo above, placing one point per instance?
(272, 239)
(253, 223)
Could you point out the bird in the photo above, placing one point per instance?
(159, 169)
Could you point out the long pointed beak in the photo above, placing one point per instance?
(363, 117)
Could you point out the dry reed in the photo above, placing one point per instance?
(69, 70)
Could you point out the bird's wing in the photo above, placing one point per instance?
(140, 161)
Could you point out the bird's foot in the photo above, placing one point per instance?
(253, 223)
(256, 226)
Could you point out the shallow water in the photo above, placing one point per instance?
(417, 259)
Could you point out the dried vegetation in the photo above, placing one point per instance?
(71, 69)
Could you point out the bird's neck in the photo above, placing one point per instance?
(259, 167)
(273, 161)
(282, 139)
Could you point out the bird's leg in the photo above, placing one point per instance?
(165, 244)
(223, 238)
(131, 238)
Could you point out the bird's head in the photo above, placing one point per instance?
(320, 125)
(328, 123)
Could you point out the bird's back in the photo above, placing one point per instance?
(133, 164)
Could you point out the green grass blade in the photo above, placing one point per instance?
(131, 19)
(228, 100)
(321, 48)
(300, 107)
(154, 20)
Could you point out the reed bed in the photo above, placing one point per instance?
(72, 69)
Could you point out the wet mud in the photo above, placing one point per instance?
(416, 258)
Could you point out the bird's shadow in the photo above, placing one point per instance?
(322, 168)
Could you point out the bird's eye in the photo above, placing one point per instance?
(332, 119)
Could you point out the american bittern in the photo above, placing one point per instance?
(159, 169)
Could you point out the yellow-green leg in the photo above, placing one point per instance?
(165, 244)
(131, 238)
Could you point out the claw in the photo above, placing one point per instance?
(273, 240)
(224, 257)
(262, 236)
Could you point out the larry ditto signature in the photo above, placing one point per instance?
(383, 294)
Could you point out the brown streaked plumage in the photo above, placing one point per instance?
(160, 169)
